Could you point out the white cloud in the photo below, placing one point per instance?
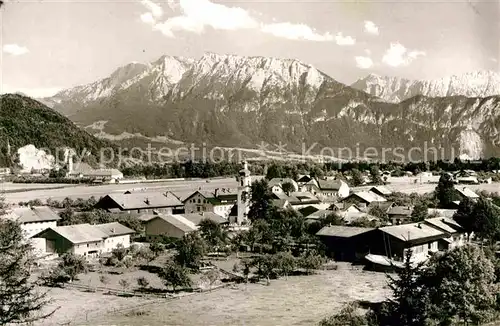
(14, 49)
(295, 32)
(196, 15)
(154, 8)
(371, 28)
(344, 40)
(397, 55)
(148, 18)
(363, 62)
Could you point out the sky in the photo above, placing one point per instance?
(52, 45)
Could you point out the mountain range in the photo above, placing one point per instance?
(394, 89)
(236, 101)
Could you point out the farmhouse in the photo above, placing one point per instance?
(33, 219)
(116, 234)
(464, 192)
(141, 202)
(363, 198)
(84, 239)
(421, 238)
(220, 201)
(381, 191)
(400, 214)
(276, 184)
(457, 235)
(83, 170)
(333, 188)
(177, 225)
(347, 243)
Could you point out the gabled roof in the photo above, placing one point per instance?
(382, 189)
(222, 198)
(383, 205)
(350, 217)
(114, 229)
(196, 218)
(330, 184)
(400, 210)
(342, 231)
(413, 232)
(304, 178)
(322, 213)
(79, 233)
(466, 192)
(368, 196)
(444, 224)
(144, 200)
(280, 181)
(34, 214)
(178, 221)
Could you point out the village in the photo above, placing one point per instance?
(123, 244)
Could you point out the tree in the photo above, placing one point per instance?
(142, 282)
(124, 283)
(211, 277)
(464, 215)
(265, 265)
(408, 306)
(445, 191)
(156, 248)
(261, 206)
(460, 284)
(285, 263)
(375, 175)
(287, 188)
(487, 223)
(190, 250)
(119, 252)
(175, 275)
(357, 178)
(72, 265)
(104, 279)
(419, 212)
(310, 261)
(20, 301)
(213, 234)
(379, 213)
(347, 317)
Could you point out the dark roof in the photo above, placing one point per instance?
(224, 196)
(381, 189)
(330, 184)
(444, 224)
(114, 229)
(342, 231)
(34, 214)
(144, 200)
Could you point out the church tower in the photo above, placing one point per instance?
(245, 182)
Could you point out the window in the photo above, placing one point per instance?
(198, 208)
(88, 245)
(429, 246)
(199, 201)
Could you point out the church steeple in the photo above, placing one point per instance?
(244, 193)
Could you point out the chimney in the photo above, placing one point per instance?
(147, 201)
(166, 194)
(113, 230)
(419, 226)
(216, 192)
(202, 213)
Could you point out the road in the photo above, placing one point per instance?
(84, 191)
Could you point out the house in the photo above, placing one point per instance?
(439, 212)
(347, 243)
(317, 215)
(467, 180)
(363, 198)
(457, 235)
(141, 202)
(84, 239)
(381, 191)
(5, 171)
(219, 201)
(297, 200)
(177, 225)
(276, 184)
(351, 217)
(33, 219)
(400, 214)
(117, 234)
(83, 170)
(464, 192)
(333, 188)
(384, 206)
(311, 186)
(395, 240)
(167, 225)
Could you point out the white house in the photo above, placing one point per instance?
(333, 188)
(33, 219)
(116, 234)
(276, 184)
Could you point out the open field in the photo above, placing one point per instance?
(86, 191)
(300, 300)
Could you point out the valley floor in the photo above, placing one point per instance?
(300, 300)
